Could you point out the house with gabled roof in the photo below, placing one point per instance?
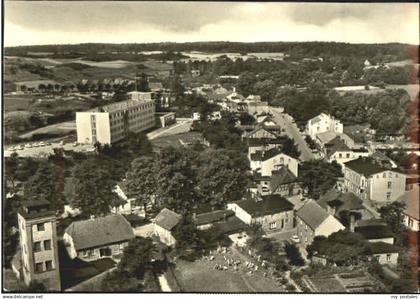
(375, 231)
(323, 123)
(97, 238)
(260, 132)
(384, 253)
(272, 212)
(282, 182)
(164, 224)
(265, 162)
(312, 220)
(337, 150)
(369, 180)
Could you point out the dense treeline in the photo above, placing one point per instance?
(376, 52)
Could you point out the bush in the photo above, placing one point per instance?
(290, 287)
(294, 256)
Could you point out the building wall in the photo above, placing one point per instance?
(95, 253)
(387, 186)
(262, 133)
(327, 124)
(288, 189)
(113, 126)
(342, 157)
(411, 223)
(276, 162)
(164, 235)
(240, 213)
(305, 233)
(386, 258)
(329, 226)
(29, 235)
(356, 183)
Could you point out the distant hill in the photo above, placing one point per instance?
(394, 51)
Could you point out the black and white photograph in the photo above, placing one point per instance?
(210, 147)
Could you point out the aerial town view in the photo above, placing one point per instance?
(210, 147)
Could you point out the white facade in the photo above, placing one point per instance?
(111, 123)
(343, 156)
(385, 186)
(265, 168)
(323, 123)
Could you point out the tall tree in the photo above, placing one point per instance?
(246, 83)
(47, 183)
(94, 188)
(393, 215)
(318, 176)
(141, 181)
(222, 176)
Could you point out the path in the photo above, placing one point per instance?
(180, 127)
(164, 286)
(285, 122)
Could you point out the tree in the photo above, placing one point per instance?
(294, 255)
(393, 215)
(36, 287)
(47, 183)
(318, 176)
(246, 83)
(290, 148)
(139, 144)
(141, 181)
(342, 247)
(221, 176)
(137, 257)
(175, 179)
(189, 241)
(94, 188)
(11, 167)
(120, 282)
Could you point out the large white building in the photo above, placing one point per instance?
(111, 123)
(369, 180)
(265, 162)
(323, 123)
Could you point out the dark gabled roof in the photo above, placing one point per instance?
(263, 141)
(350, 202)
(265, 155)
(100, 231)
(312, 214)
(214, 216)
(269, 205)
(365, 166)
(261, 127)
(167, 219)
(372, 232)
(382, 247)
(336, 145)
(327, 197)
(281, 177)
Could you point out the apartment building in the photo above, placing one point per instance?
(38, 242)
(323, 123)
(111, 123)
(369, 180)
(265, 162)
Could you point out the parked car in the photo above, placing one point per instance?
(41, 143)
(28, 145)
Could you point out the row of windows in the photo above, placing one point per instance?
(39, 267)
(136, 109)
(38, 248)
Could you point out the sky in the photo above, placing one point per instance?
(70, 22)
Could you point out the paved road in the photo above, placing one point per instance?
(44, 151)
(285, 121)
(179, 127)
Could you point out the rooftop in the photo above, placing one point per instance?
(167, 219)
(281, 177)
(100, 231)
(372, 232)
(268, 154)
(118, 106)
(214, 216)
(312, 214)
(365, 166)
(269, 205)
(382, 247)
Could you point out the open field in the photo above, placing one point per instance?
(17, 102)
(59, 129)
(201, 276)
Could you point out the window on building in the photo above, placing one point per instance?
(40, 227)
(37, 246)
(47, 245)
(340, 155)
(389, 185)
(273, 225)
(347, 155)
(384, 175)
(48, 265)
(388, 195)
(39, 267)
(388, 257)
